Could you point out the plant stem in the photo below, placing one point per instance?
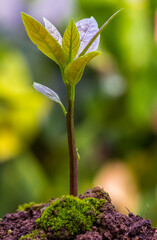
(71, 140)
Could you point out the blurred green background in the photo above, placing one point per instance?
(115, 111)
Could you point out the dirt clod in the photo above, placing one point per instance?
(17, 224)
(89, 236)
(110, 225)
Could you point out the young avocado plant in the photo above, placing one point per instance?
(72, 53)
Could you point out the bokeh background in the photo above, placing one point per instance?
(115, 111)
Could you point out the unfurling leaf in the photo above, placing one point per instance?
(44, 41)
(50, 94)
(53, 31)
(87, 28)
(73, 72)
(71, 41)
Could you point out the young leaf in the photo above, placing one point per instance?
(73, 72)
(87, 28)
(71, 41)
(44, 41)
(53, 31)
(50, 94)
(98, 33)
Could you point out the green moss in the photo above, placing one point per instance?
(69, 216)
(34, 235)
(26, 206)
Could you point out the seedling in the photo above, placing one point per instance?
(72, 53)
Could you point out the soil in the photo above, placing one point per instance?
(111, 225)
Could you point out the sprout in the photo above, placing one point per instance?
(72, 52)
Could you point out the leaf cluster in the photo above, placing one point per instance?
(64, 55)
(72, 52)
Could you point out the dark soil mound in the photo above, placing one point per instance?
(110, 224)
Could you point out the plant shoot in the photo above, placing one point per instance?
(71, 52)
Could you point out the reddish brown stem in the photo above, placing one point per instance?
(71, 141)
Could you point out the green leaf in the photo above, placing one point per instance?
(50, 94)
(73, 72)
(44, 41)
(98, 33)
(71, 41)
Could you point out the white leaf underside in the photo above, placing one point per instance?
(47, 92)
(86, 27)
(53, 31)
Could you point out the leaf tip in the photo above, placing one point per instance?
(121, 9)
(35, 84)
(98, 52)
(45, 21)
(23, 15)
(72, 21)
(92, 18)
(116, 13)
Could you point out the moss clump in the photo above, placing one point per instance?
(36, 234)
(70, 216)
(26, 206)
